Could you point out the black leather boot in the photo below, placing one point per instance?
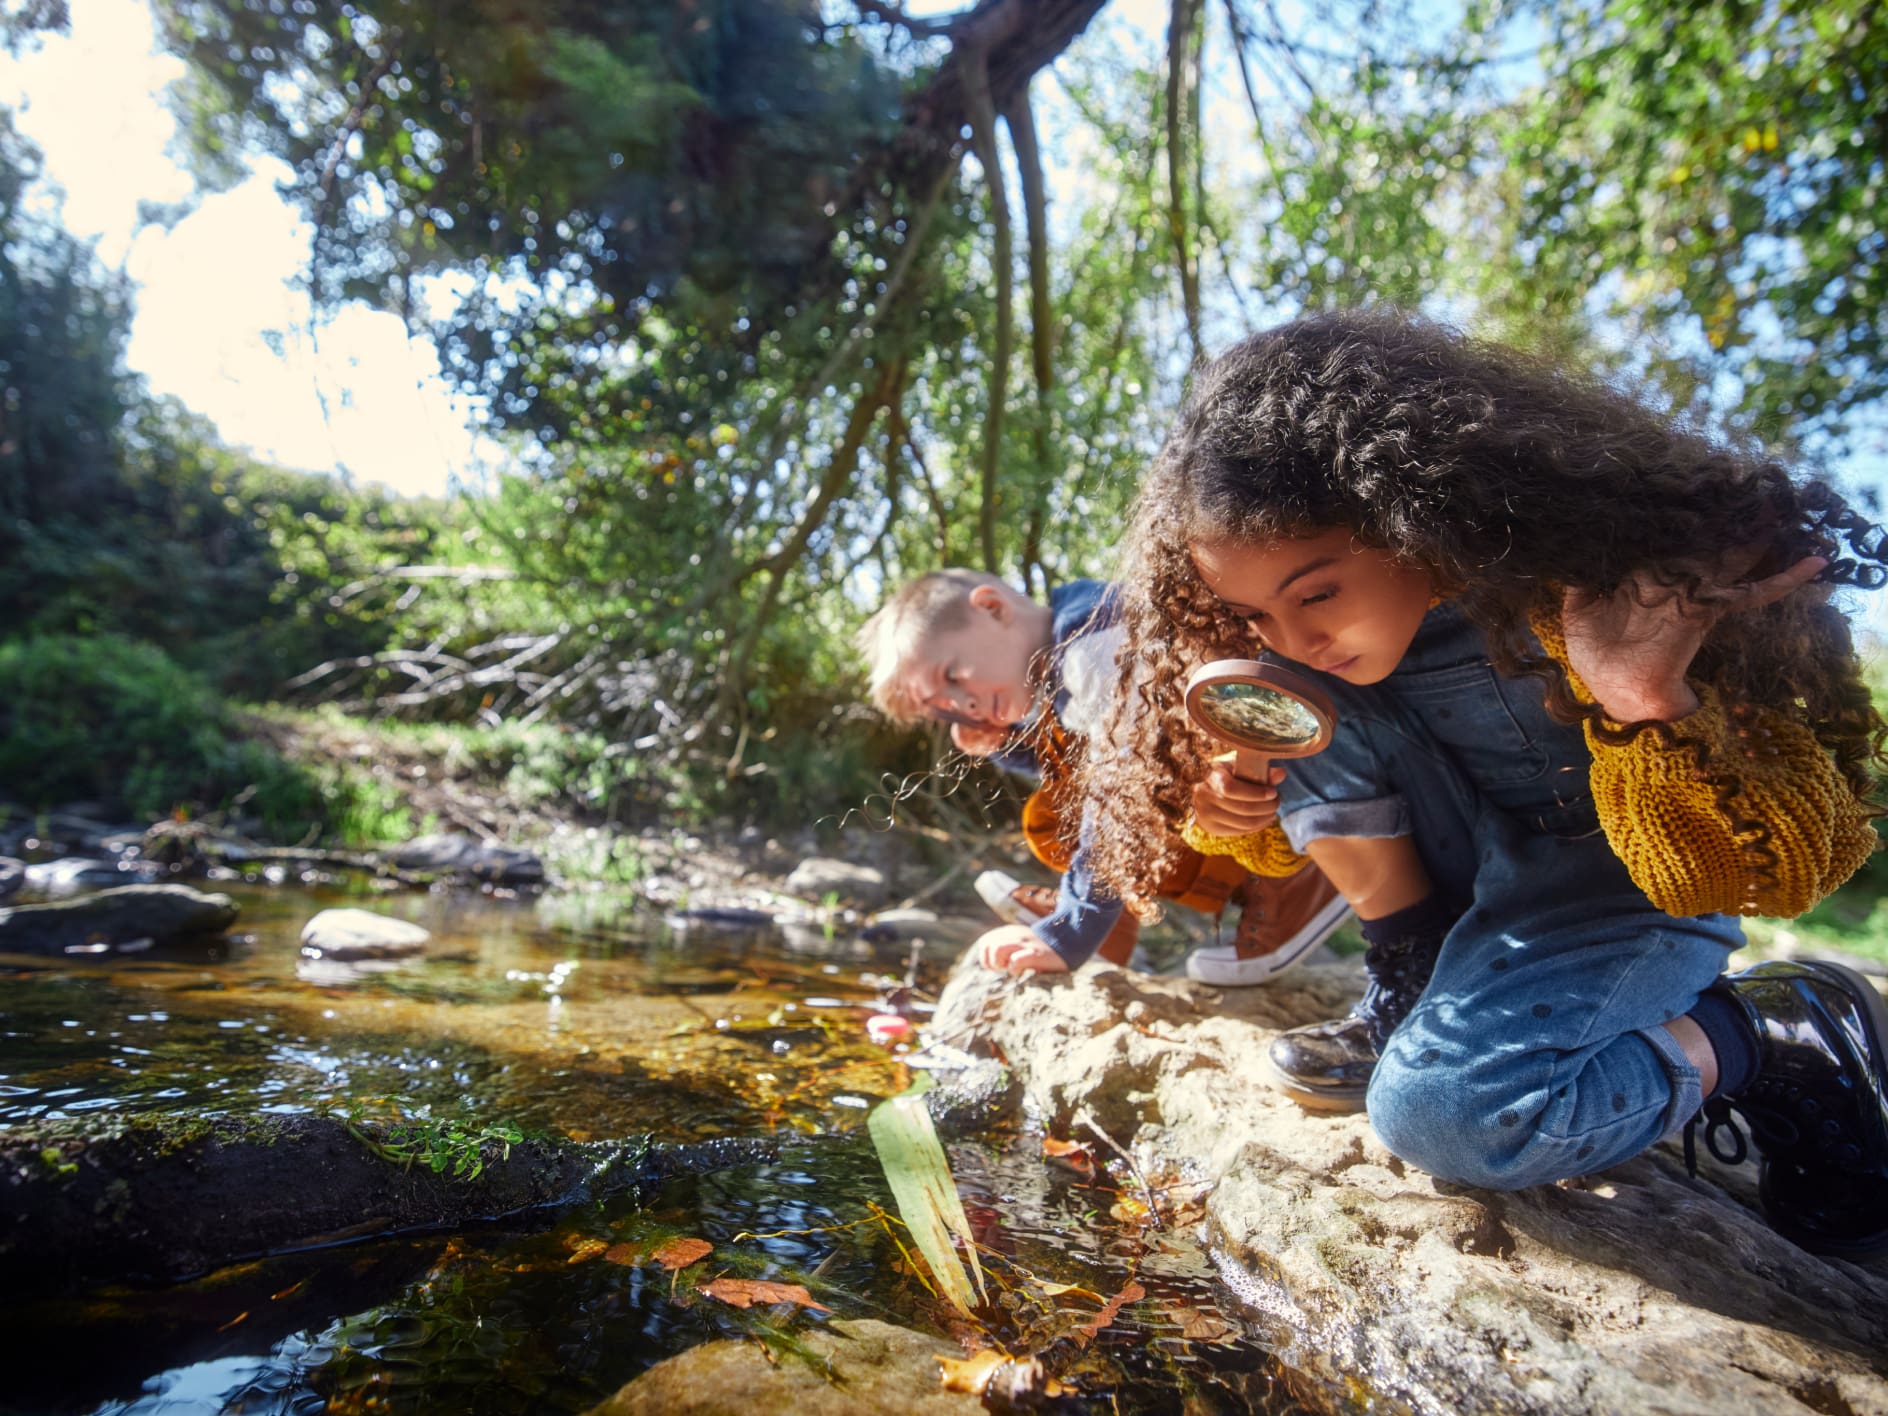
(1817, 1108)
(1327, 1066)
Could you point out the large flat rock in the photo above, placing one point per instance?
(1636, 1290)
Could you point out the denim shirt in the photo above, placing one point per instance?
(1445, 697)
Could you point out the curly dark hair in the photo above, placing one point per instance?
(1509, 481)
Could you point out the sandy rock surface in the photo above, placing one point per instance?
(1636, 1290)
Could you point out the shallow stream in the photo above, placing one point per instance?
(582, 1018)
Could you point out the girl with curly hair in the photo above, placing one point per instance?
(1592, 703)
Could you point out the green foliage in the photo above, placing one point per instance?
(1717, 170)
(445, 1147)
(116, 721)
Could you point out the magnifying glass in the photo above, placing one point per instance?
(1261, 711)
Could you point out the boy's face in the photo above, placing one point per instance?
(1325, 601)
(984, 673)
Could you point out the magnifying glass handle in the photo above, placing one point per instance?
(1251, 766)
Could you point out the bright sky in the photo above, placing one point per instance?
(219, 322)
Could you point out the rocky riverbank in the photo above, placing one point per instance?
(1636, 1290)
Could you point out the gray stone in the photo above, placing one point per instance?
(964, 1100)
(75, 875)
(457, 854)
(360, 934)
(871, 1369)
(817, 877)
(1636, 1290)
(121, 920)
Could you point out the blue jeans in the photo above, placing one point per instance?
(1537, 1051)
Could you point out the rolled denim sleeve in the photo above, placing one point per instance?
(1346, 790)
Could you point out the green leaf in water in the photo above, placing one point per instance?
(919, 1174)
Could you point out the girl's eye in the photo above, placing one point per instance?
(1318, 598)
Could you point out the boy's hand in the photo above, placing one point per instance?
(1226, 805)
(1013, 948)
(980, 741)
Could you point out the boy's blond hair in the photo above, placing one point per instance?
(938, 600)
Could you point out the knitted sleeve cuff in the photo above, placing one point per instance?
(1788, 835)
(1264, 852)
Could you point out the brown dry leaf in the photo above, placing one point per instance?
(1133, 1293)
(987, 1373)
(680, 1252)
(585, 1250)
(745, 1292)
(973, 1373)
(1205, 1327)
(1128, 1210)
(1073, 1154)
(624, 1253)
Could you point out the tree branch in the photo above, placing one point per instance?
(1179, 56)
(1022, 125)
(983, 126)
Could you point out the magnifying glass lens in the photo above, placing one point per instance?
(1259, 716)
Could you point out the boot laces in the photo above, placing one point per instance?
(1718, 1122)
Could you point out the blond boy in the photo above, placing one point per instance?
(1026, 683)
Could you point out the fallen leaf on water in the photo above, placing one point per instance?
(1204, 1327)
(1056, 1290)
(971, 1374)
(1133, 1293)
(988, 1371)
(681, 1252)
(1073, 1154)
(745, 1292)
(1128, 1210)
(624, 1253)
(586, 1249)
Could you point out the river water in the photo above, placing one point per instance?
(581, 1017)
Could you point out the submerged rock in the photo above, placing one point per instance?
(1635, 1290)
(129, 918)
(973, 1098)
(870, 1368)
(12, 877)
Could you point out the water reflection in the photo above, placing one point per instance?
(586, 1024)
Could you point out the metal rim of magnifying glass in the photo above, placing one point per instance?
(1293, 686)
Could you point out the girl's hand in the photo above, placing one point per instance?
(1226, 805)
(1013, 948)
(1633, 648)
(979, 742)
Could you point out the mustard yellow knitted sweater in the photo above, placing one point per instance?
(1664, 821)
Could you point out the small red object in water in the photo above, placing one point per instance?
(887, 1027)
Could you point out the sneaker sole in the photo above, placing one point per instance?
(1238, 973)
(994, 886)
(1346, 1101)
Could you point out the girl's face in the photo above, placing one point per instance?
(1325, 601)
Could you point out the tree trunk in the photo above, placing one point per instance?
(1022, 125)
(1179, 61)
(983, 125)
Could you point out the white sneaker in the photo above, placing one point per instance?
(998, 890)
(1223, 965)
